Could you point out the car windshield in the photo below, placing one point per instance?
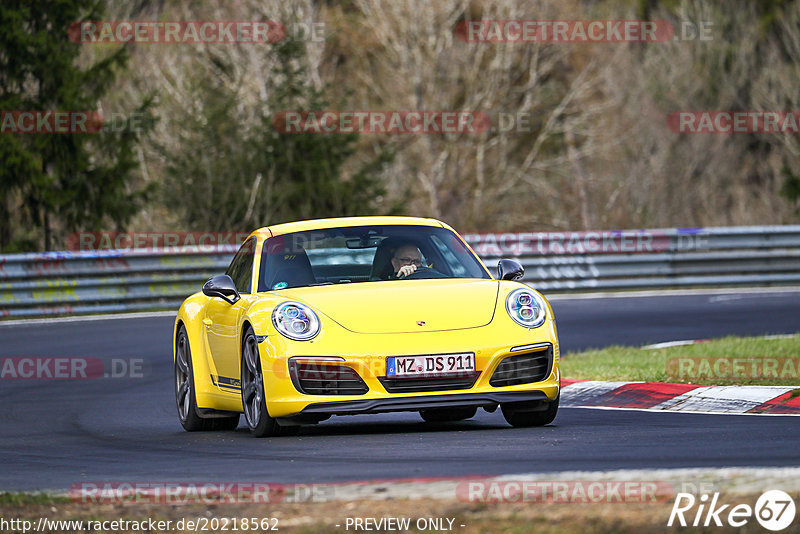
(364, 254)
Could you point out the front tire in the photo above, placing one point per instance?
(521, 416)
(254, 402)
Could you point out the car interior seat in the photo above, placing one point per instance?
(382, 262)
(288, 268)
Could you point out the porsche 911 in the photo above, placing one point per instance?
(363, 315)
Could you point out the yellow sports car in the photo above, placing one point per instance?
(363, 315)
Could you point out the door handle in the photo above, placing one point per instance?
(207, 322)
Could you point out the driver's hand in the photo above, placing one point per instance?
(406, 270)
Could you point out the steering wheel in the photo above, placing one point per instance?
(424, 272)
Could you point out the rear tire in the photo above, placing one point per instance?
(184, 385)
(185, 398)
(521, 416)
(445, 415)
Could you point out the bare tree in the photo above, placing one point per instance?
(579, 136)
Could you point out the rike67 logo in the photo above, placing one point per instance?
(774, 510)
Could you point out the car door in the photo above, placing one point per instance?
(222, 320)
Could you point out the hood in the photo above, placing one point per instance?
(399, 306)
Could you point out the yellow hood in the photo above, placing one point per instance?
(399, 306)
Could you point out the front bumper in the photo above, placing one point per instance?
(285, 399)
(488, 399)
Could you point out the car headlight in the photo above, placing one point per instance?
(526, 308)
(295, 321)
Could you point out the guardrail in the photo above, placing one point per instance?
(635, 259)
(57, 283)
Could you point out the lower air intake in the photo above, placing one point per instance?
(314, 378)
(523, 368)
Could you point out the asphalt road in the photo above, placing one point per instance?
(56, 433)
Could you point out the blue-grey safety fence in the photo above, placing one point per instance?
(74, 282)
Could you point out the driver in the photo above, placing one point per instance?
(406, 260)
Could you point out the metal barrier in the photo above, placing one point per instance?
(635, 259)
(58, 283)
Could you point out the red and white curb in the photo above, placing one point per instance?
(683, 342)
(666, 397)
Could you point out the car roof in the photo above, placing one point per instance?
(317, 224)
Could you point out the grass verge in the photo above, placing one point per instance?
(322, 518)
(726, 361)
(28, 499)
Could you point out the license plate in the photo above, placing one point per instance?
(429, 366)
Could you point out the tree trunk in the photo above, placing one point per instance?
(47, 237)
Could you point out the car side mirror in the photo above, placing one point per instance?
(510, 270)
(221, 286)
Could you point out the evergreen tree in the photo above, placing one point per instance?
(60, 183)
(235, 172)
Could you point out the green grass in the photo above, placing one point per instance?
(749, 361)
(25, 499)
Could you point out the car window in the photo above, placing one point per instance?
(449, 256)
(241, 267)
(362, 254)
